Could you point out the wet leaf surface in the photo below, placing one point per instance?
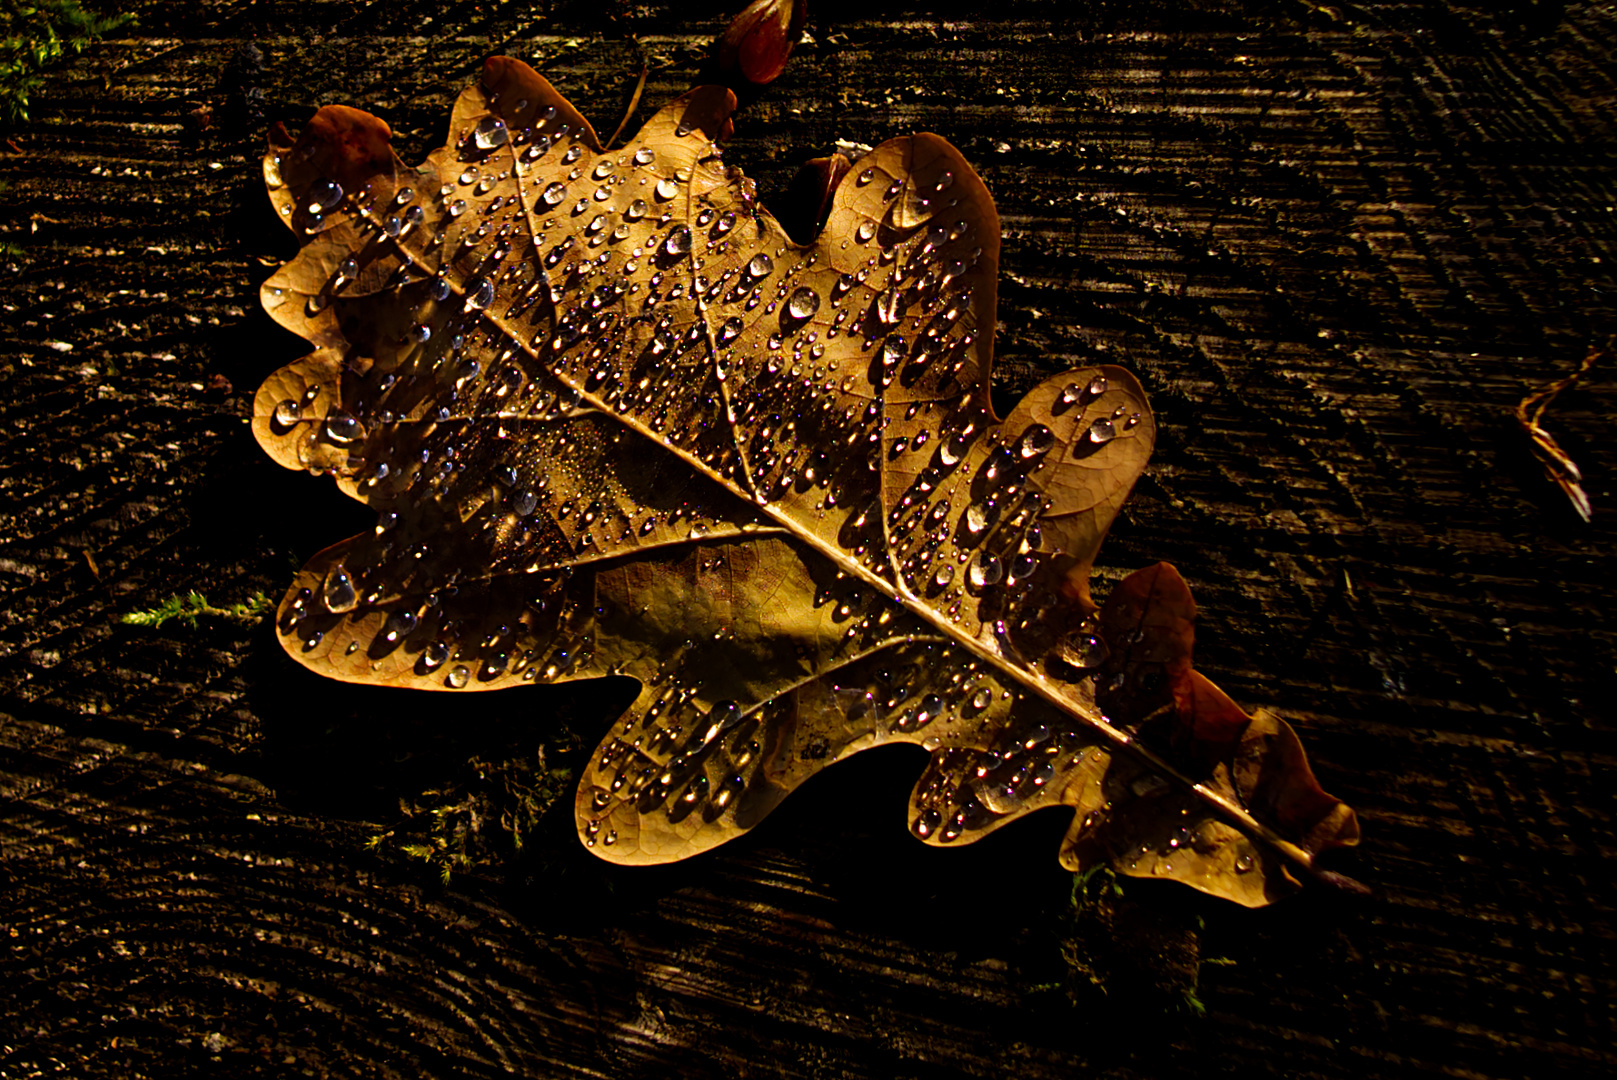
(613, 420)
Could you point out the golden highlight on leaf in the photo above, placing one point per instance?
(613, 420)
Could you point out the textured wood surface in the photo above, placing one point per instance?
(1337, 244)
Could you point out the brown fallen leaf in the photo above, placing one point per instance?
(613, 420)
(1562, 470)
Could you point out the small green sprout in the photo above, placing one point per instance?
(189, 607)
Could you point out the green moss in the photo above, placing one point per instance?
(1118, 949)
(34, 34)
(189, 607)
(483, 819)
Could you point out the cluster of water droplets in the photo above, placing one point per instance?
(970, 789)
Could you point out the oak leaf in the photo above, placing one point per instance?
(614, 421)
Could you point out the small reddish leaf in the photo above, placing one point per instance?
(759, 40)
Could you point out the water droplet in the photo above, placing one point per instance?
(986, 570)
(1071, 393)
(892, 350)
(865, 177)
(944, 182)
(523, 502)
(457, 208)
(469, 175)
(1083, 650)
(398, 626)
(457, 676)
(724, 717)
(342, 428)
(732, 327)
(288, 413)
(644, 156)
(760, 266)
(636, 210)
(434, 654)
(439, 289)
(679, 240)
(804, 302)
(1102, 430)
(865, 231)
(977, 517)
(982, 699)
(928, 710)
(1097, 386)
(490, 133)
(667, 189)
(944, 576)
(323, 195)
(887, 305)
(1036, 440)
(926, 823)
(1244, 864)
(479, 294)
(554, 193)
(338, 593)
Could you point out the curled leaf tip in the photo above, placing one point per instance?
(346, 145)
(807, 202)
(759, 40)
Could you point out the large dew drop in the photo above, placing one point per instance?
(490, 133)
(679, 240)
(338, 593)
(323, 195)
(1036, 440)
(342, 428)
(804, 302)
(479, 294)
(1102, 430)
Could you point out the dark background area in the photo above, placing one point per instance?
(1337, 243)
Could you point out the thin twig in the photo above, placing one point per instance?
(1560, 468)
(634, 103)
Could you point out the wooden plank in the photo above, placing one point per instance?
(1337, 244)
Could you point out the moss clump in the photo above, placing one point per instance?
(1121, 950)
(34, 34)
(189, 607)
(482, 819)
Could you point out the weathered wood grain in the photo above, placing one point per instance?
(1338, 244)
